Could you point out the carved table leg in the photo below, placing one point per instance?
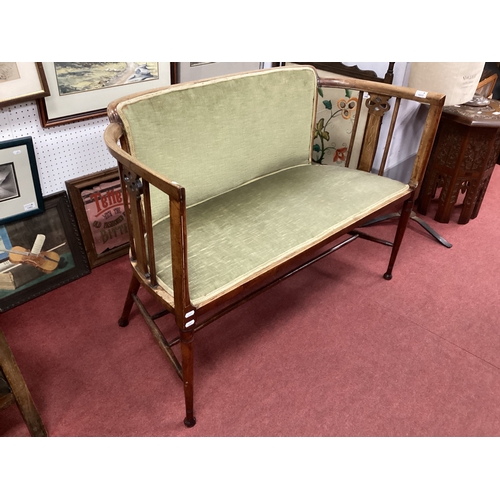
(447, 199)
(470, 201)
(480, 196)
(428, 192)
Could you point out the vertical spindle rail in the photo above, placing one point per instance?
(390, 133)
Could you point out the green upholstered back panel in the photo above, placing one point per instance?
(211, 137)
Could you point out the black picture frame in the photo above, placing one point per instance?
(20, 190)
(20, 279)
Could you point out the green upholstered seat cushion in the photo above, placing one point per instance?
(247, 230)
(211, 137)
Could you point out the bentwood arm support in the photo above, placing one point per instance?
(136, 178)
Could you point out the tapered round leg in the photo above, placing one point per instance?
(187, 376)
(403, 222)
(129, 302)
(189, 422)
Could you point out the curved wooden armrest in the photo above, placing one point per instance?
(433, 98)
(141, 215)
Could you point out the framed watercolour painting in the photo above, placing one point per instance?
(98, 204)
(20, 191)
(40, 253)
(83, 90)
(22, 81)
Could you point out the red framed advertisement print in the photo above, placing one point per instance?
(98, 204)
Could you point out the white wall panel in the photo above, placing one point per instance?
(62, 152)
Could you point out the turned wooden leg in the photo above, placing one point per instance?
(448, 199)
(479, 200)
(470, 200)
(187, 376)
(403, 222)
(129, 302)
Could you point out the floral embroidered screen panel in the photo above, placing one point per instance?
(336, 114)
(335, 122)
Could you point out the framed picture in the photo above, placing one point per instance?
(40, 253)
(83, 90)
(98, 204)
(190, 71)
(22, 81)
(20, 192)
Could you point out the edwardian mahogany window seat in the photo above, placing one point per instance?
(214, 224)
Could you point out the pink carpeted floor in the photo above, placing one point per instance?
(334, 351)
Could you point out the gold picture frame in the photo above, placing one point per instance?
(22, 81)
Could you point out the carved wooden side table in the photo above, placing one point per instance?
(465, 152)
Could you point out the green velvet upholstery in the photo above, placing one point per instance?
(198, 135)
(252, 228)
(241, 147)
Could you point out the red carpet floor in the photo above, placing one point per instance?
(334, 351)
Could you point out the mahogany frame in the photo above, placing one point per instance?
(137, 177)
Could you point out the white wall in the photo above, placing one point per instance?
(62, 152)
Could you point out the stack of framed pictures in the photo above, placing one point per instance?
(40, 253)
(40, 245)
